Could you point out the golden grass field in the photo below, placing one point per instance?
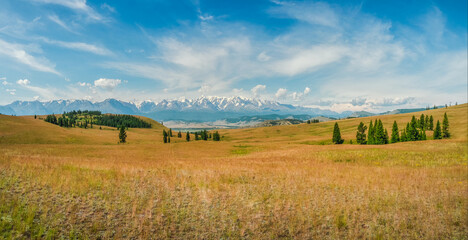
(262, 183)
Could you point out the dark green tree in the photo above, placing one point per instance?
(422, 122)
(35, 116)
(361, 134)
(445, 127)
(437, 131)
(426, 122)
(165, 135)
(179, 134)
(216, 136)
(371, 134)
(337, 135)
(395, 133)
(403, 135)
(431, 123)
(168, 139)
(187, 137)
(122, 135)
(412, 130)
(170, 132)
(379, 133)
(196, 136)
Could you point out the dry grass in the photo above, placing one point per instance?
(264, 183)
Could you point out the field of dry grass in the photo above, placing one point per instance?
(262, 183)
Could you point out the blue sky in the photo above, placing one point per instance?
(339, 55)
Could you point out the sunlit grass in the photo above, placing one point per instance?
(265, 183)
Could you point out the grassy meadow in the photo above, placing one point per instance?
(279, 182)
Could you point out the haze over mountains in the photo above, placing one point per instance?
(203, 108)
(226, 112)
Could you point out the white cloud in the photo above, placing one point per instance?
(306, 90)
(79, 46)
(257, 89)
(107, 7)
(106, 83)
(5, 83)
(77, 5)
(47, 93)
(84, 84)
(263, 57)
(23, 82)
(317, 13)
(308, 60)
(11, 91)
(18, 53)
(54, 18)
(281, 93)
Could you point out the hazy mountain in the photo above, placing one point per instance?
(200, 109)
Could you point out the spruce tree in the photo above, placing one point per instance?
(412, 130)
(187, 137)
(431, 123)
(179, 134)
(170, 132)
(403, 135)
(379, 133)
(168, 139)
(164, 136)
(426, 122)
(361, 134)
(437, 131)
(386, 136)
(216, 136)
(423, 135)
(445, 127)
(395, 133)
(370, 137)
(122, 135)
(337, 135)
(35, 116)
(422, 121)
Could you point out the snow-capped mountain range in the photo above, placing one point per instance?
(200, 109)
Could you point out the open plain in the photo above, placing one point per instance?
(277, 182)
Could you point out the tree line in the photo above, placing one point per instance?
(199, 135)
(415, 130)
(85, 119)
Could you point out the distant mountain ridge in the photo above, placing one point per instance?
(202, 109)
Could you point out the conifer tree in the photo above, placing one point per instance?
(187, 137)
(370, 137)
(395, 133)
(337, 135)
(122, 135)
(431, 123)
(445, 127)
(168, 139)
(437, 131)
(422, 121)
(379, 133)
(412, 130)
(403, 135)
(426, 122)
(164, 136)
(216, 136)
(179, 134)
(35, 116)
(361, 134)
(423, 135)
(170, 132)
(196, 136)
